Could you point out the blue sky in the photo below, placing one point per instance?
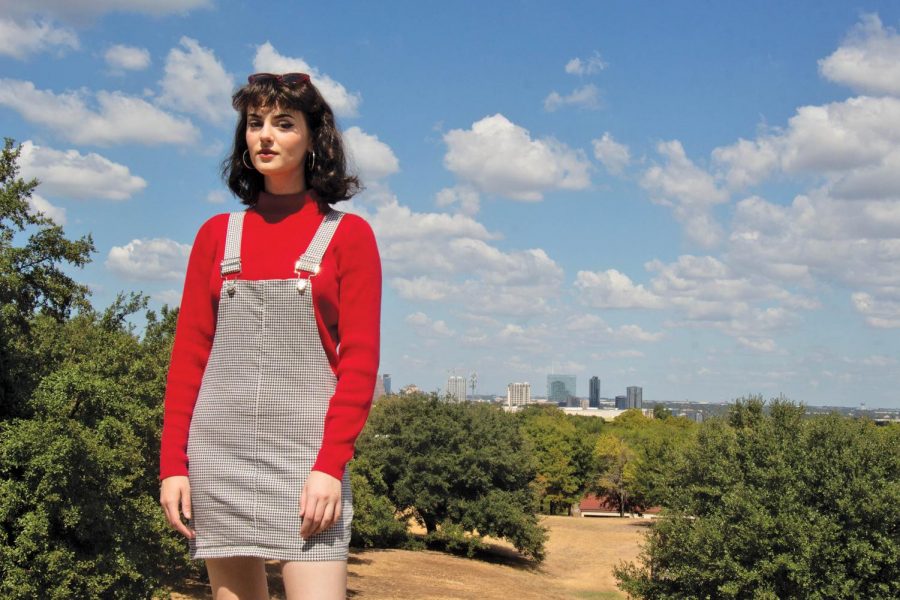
(702, 199)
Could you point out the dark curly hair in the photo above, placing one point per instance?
(328, 178)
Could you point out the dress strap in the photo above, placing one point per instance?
(231, 262)
(313, 256)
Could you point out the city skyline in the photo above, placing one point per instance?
(700, 200)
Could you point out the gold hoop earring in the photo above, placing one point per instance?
(244, 160)
(313, 164)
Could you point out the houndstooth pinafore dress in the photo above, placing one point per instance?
(259, 418)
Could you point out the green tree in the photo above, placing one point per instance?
(563, 457)
(460, 469)
(32, 282)
(78, 487)
(772, 503)
(616, 471)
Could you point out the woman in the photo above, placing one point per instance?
(275, 356)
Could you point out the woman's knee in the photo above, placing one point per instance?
(238, 578)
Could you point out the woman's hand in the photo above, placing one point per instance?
(320, 503)
(175, 494)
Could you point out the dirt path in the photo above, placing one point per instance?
(581, 553)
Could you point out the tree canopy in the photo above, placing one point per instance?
(772, 503)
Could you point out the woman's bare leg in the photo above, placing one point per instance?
(238, 578)
(315, 580)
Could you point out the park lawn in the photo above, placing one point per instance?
(581, 553)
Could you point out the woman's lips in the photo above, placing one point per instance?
(267, 153)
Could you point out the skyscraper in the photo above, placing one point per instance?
(561, 389)
(379, 389)
(456, 388)
(594, 392)
(518, 394)
(622, 402)
(386, 380)
(635, 396)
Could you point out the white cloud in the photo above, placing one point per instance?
(70, 174)
(499, 157)
(614, 156)
(217, 196)
(149, 260)
(127, 58)
(818, 238)
(22, 39)
(689, 190)
(38, 204)
(589, 66)
(759, 344)
(197, 83)
(462, 196)
(119, 118)
(423, 288)
(587, 96)
(856, 139)
(170, 297)
(373, 158)
(437, 255)
(344, 103)
(427, 326)
(747, 162)
(637, 334)
(80, 9)
(868, 61)
(612, 289)
(884, 314)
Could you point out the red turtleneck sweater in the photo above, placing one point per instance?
(347, 300)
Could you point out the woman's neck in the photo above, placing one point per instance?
(284, 185)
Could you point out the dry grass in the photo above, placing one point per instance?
(581, 553)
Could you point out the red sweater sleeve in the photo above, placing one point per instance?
(359, 326)
(194, 334)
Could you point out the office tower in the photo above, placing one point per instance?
(456, 388)
(561, 389)
(386, 381)
(594, 392)
(379, 389)
(621, 402)
(635, 396)
(518, 394)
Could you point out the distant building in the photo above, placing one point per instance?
(561, 389)
(594, 392)
(622, 402)
(386, 382)
(409, 389)
(379, 389)
(456, 388)
(518, 394)
(635, 396)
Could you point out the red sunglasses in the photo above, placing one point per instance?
(286, 79)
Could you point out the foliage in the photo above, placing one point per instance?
(657, 446)
(617, 470)
(32, 282)
(562, 447)
(459, 469)
(79, 424)
(771, 503)
(78, 488)
(375, 523)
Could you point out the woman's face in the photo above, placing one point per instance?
(278, 140)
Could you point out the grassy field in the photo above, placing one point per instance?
(581, 553)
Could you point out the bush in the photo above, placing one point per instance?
(770, 503)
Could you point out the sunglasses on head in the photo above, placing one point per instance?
(285, 79)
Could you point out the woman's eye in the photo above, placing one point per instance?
(286, 125)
